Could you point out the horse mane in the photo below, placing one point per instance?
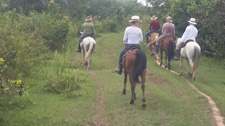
(140, 64)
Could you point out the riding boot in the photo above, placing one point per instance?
(177, 54)
(78, 50)
(120, 69)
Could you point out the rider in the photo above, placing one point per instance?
(168, 29)
(132, 36)
(154, 27)
(190, 34)
(88, 30)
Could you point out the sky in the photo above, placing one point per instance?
(142, 2)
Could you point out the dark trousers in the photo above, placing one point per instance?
(82, 37)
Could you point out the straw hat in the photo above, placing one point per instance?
(154, 17)
(169, 19)
(192, 21)
(135, 18)
(88, 19)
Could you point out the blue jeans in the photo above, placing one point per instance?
(125, 50)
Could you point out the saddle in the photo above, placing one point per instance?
(131, 49)
(185, 43)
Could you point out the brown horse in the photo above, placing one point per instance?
(134, 64)
(167, 45)
(151, 42)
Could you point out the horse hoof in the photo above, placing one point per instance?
(132, 102)
(193, 79)
(165, 66)
(124, 92)
(144, 105)
(160, 64)
(180, 74)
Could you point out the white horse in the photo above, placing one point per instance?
(192, 53)
(88, 47)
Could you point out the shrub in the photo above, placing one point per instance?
(67, 82)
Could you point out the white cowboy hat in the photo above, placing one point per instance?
(154, 17)
(88, 19)
(169, 19)
(192, 21)
(135, 18)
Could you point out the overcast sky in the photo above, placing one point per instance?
(142, 1)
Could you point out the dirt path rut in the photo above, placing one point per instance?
(219, 119)
(99, 118)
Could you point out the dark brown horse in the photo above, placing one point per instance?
(134, 64)
(167, 45)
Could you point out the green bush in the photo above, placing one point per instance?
(67, 82)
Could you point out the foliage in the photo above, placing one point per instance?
(65, 81)
(210, 23)
(12, 92)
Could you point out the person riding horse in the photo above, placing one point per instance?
(154, 27)
(190, 34)
(168, 29)
(132, 36)
(88, 30)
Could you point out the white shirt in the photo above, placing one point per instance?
(191, 32)
(132, 35)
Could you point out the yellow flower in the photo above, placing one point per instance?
(18, 82)
(1, 60)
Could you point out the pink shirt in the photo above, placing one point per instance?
(168, 29)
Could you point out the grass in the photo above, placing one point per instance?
(170, 100)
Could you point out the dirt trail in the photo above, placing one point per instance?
(219, 119)
(99, 118)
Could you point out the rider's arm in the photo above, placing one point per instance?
(125, 37)
(141, 36)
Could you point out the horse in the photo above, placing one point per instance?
(88, 46)
(134, 64)
(167, 45)
(151, 42)
(191, 52)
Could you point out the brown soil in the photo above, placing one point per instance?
(99, 118)
(156, 79)
(219, 119)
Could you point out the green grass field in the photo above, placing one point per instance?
(170, 100)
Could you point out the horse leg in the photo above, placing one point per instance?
(161, 57)
(125, 82)
(166, 61)
(143, 89)
(181, 67)
(132, 83)
(191, 64)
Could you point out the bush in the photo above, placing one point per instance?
(67, 82)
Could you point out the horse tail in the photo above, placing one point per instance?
(89, 50)
(171, 50)
(140, 64)
(197, 58)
